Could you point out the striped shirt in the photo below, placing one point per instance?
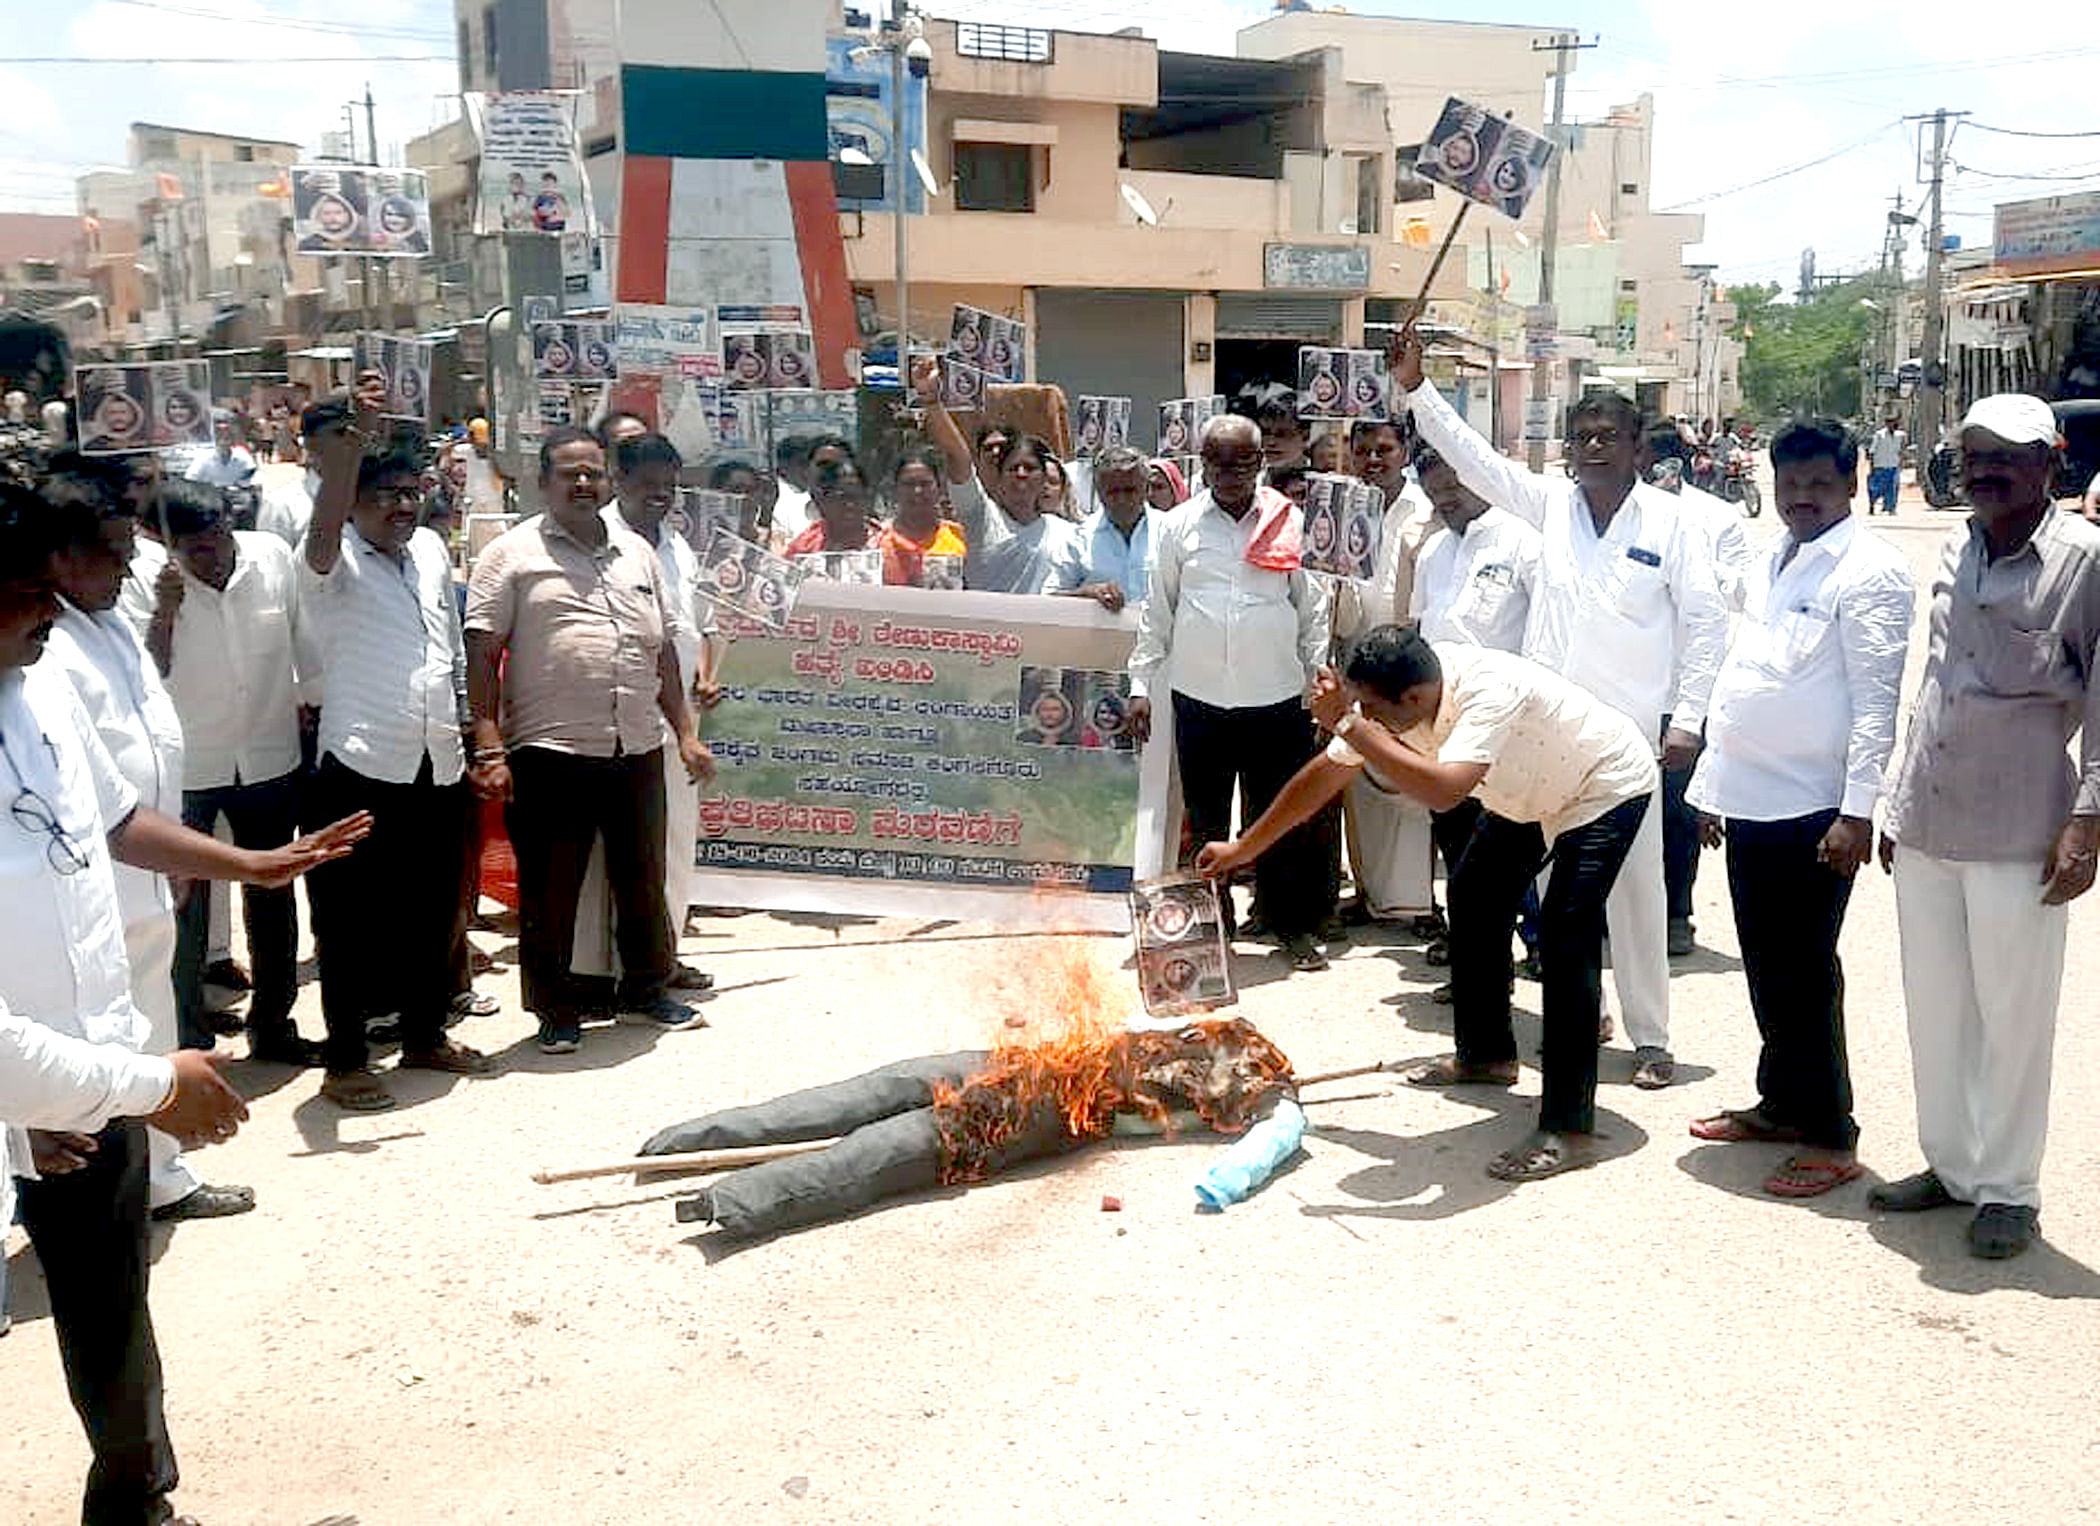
(393, 668)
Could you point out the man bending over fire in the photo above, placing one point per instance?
(1563, 779)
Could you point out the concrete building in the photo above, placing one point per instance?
(1166, 224)
(1632, 314)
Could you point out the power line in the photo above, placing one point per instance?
(2021, 132)
(1796, 169)
(251, 61)
(422, 34)
(1965, 169)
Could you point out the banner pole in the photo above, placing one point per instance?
(1421, 302)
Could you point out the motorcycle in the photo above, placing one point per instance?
(1704, 475)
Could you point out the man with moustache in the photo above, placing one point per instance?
(568, 732)
(1992, 828)
(1628, 607)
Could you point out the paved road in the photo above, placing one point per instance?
(411, 1332)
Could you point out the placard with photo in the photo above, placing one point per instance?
(147, 406)
(962, 385)
(1484, 157)
(942, 570)
(861, 567)
(1342, 384)
(748, 579)
(1182, 959)
(1103, 423)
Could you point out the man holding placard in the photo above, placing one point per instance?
(1627, 606)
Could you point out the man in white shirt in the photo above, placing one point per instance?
(102, 657)
(223, 628)
(1663, 462)
(1557, 772)
(1108, 559)
(1472, 586)
(791, 511)
(1239, 631)
(377, 591)
(1885, 464)
(63, 971)
(1626, 606)
(645, 490)
(1799, 735)
(230, 463)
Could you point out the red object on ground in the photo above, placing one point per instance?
(1110, 1203)
(499, 865)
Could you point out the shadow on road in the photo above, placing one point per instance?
(1938, 1241)
(1438, 1175)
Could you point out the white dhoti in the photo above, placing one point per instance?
(1389, 849)
(1983, 965)
(149, 947)
(1636, 914)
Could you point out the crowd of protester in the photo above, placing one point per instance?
(1563, 685)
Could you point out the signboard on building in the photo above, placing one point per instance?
(2048, 235)
(1316, 267)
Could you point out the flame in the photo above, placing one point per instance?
(1071, 1064)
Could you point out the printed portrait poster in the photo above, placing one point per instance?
(143, 407)
(748, 580)
(398, 203)
(1103, 423)
(1484, 157)
(329, 209)
(1183, 964)
(531, 179)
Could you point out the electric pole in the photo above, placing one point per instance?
(1561, 46)
(1932, 385)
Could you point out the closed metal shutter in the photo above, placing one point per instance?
(1261, 315)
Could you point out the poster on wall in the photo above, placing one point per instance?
(360, 209)
(896, 751)
(531, 179)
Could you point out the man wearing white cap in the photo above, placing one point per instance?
(1992, 829)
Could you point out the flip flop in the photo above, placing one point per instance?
(1445, 1070)
(1743, 1125)
(1540, 1156)
(1799, 1178)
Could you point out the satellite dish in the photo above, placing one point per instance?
(851, 155)
(1140, 208)
(918, 162)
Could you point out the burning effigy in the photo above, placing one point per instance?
(960, 1118)
(953, 1119)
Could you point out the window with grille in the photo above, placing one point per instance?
(1008, 44)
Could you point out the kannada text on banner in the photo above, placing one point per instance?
(897, 750)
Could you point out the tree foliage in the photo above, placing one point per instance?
(1803, 357)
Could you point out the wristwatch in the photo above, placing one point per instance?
(1347, 724)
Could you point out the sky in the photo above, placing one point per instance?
(1806, 96)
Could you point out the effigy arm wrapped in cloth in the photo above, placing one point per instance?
(942, 1120)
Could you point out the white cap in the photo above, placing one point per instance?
(2014, 417)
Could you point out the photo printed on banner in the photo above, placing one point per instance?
(1182, 959)
(143, 407)
(1074, 707)
(531, 178)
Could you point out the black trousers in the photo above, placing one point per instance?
(1680, 825)
(264, 815)
(1486, 890)
(89, 1228)
(1789, 910)
(1257, 749)
(560, 804)
(383, 914)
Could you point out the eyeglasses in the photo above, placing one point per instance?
(33, 813)
(397, 495)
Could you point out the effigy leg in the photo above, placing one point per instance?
(822, 1112)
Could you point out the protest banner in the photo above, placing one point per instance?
(659, 341)
(360, 209)
(143, 407)
(531, 179)
(897, 751)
